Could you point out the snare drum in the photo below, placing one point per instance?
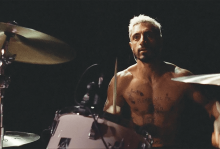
(72, 131)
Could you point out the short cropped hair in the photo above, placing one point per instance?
(144, 19)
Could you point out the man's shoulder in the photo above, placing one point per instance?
(182, 72)
(127, 73)
(178, 71)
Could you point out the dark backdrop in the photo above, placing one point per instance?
(98, 32)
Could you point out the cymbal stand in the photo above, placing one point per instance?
(5, 60)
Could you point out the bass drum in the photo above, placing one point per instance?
(74, 131)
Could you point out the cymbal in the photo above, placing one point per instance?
(14, 138)
(208, 79)
(31, 46)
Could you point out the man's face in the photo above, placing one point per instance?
(145, 43)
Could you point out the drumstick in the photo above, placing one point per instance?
(115, 88)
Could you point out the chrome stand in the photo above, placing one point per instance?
(5, 60)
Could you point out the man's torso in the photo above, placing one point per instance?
(156, 105)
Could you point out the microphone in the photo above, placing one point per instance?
(100, 81)
(92, 97)
(93, 94)
(87, 98)
(97, 98)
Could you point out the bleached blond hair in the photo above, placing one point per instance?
(144, 19)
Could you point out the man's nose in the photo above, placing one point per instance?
(143, 40)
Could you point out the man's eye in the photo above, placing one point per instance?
(136, 37)
(149, 35)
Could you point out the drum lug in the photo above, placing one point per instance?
(148, 138)
(55, 123)
(145, 145)
(92, 135)
(148, 141)
(142, 145)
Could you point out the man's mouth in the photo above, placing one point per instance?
(142, 49)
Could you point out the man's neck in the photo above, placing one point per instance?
(149, 70)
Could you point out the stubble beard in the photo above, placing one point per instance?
(147, 57)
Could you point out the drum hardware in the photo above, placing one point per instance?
(94, 135)
(88, 105)
(49, 132)
(149, 141)
(148, 138)
(96, 128)
(90, 100)
(55, 123)
(93, 132)
(117, 145)
(4, 61)
(81, 110)
(92, 97)
(28, 46)
(144, 146)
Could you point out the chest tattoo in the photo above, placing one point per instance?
(166, 98)
(136, 96)
(151, 104)
(137, 92)
(131, 99)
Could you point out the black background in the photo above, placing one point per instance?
(98, 32)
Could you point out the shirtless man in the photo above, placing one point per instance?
(156, 102)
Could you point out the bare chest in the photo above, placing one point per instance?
(159, 97)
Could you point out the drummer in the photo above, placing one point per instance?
(156, 103)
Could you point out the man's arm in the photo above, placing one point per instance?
(196, 94)
(108, 107)
(212, 106)
(123, 80)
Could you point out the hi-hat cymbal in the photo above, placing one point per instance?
(31, 46)
(208, 79)
(14, 138)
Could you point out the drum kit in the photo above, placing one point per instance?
(81, 127)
